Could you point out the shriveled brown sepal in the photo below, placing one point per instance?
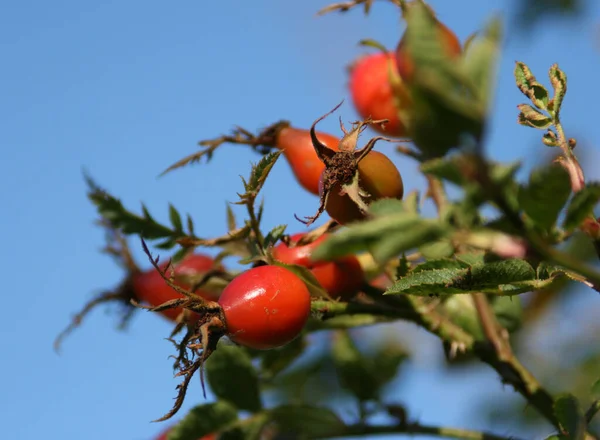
(341, 167)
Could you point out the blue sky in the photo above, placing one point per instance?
(125, 88)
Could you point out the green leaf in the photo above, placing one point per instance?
(531, 117)
(446, 263)
(558, 79)
(112, 210)
(385, 207)
(581, 206)
(570, 416)
(549, 139)
(423, 283)
(202, 420)
(471, 258)
(354, 371)
(437, 249)
(461, 311)
(421, 234)
(462, 169)
(248, 429)
(444, 105)
(260, 171)
(361, 236)
(307, 421)
(232, 377)
(546, 194)
(528, 84)
(175, 218)
(231, 223)
(313, 285)
(506, 277)
(277, 360)
(274, 235)
(386, 361)
(480, 61)
(509, 311)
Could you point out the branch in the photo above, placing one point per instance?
(502, 358)
(418, 429)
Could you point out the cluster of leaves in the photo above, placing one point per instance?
(458, 275)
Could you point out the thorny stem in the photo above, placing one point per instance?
(418, 429)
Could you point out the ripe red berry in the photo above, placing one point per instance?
(300, 153)
(341, 278)
(373, 95)
(265, 307)
(378, 177)
(150, 288)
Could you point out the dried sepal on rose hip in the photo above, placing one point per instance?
(262, 308)
(147, 288)
(353, 178)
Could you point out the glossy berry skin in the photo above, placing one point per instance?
(341, 278)
(265, 307)
(372, 93)
(378, 176)
(450, 44)
(150, 288)
(301, 155)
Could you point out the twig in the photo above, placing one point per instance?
(418, 429)
(505, 362)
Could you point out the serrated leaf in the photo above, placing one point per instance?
(437, 249)
(472, 258)
(274, 235)
(531, 117)
(424, 282)
(260, 171)
(274, 361)
(546, 194)
(175, 218)
(581, 206)
(202, 420)
(446, 263)
(353, 369)
(558, 79)
(232, 377)
(307, 421)
(528, 84)
(500, 277)
(570, 416)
